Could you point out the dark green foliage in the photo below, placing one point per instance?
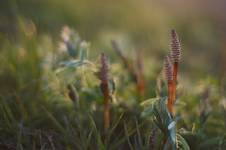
(51, 99)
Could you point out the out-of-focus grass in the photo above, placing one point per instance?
(36, 110)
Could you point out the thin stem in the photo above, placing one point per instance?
(103, 75)
(170, 97)
(137, 77)
(175, 70)
(140, 73)
(106, 116)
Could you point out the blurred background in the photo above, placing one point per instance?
(145, 24)
(30, 33)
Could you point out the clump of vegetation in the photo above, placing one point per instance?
(58, 97)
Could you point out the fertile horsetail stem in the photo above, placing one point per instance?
(103, 76)
(169, 77)
(175, 55)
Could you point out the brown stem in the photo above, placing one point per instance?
(175, 70)
(106, 117)
(170, 97)
(122, 56)
(136, 77)
(140, 73)
(104, 78)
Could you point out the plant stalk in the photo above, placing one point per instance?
(106, 116)
(170, 96)
(175, 70)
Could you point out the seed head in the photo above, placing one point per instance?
(168, 69)
(175, 47)
(103, 73)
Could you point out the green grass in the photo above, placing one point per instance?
(38, 113)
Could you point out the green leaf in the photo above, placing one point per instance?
(181, 143)
(83, 53)
(149, 102)
(111, 86)
(69, 65)
(148, 106)
(172, 133)
(71, 49)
